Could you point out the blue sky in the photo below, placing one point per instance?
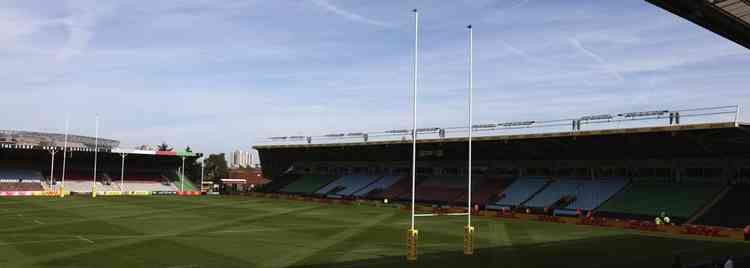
(219, 75)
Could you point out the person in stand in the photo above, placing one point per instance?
(729, 263)
(747, 232)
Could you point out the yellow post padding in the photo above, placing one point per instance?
(411, 244)
(468, 240)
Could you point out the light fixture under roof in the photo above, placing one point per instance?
(642, 114)
(514, 124)
(596, 117)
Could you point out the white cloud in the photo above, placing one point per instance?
(348, 14)
(80, 24)
(604, 65)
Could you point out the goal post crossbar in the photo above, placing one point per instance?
(441, 214)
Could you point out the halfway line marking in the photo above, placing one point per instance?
(84, 239)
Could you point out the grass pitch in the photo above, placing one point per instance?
(255, 232)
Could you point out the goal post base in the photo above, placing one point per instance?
(468, 240)
(411, 244)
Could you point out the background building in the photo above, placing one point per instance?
(241, 159)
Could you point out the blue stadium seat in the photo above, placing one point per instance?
(347, 185)
(383, 183)
(521, 190)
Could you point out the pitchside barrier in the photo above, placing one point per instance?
(98, 193)
(28, 193)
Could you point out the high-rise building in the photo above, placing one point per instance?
(241, 159)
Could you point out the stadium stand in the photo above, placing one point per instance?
(21, 186)
(379, 185)
(149, 186)
(20, 180)
(521, 190)
(19, 175)
(399, 190)
(595, 192)
(280, 182)
(441, 189)
(731, 210)
(651, 198)
(487, 190)
(74, 185)
(584, 194)
(557, 189)
(347, 185)
(308, 184)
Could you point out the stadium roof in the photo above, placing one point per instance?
(605, 132)
(177, 153)
(728, 18)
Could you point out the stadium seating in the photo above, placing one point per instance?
(347, 185)
(149, 186)
(556, 190)
(487, 190)
(21, 186)
(74, 185)
(101, 186)
(308, 184)
(401, 189)
(587, 194)
(651, 198)
(455, 182)
(383, 183)
(352, 183)
(595, 192)
(279, 182)
(441, 189)
(20, 180)
(139, 185)
(521, 190)
(731, 210)
(18, 175)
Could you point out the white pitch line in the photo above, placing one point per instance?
(437, 214)
(39, 241)
(38, 222)
(84, 239)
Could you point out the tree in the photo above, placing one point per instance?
(193, 170)
(216, 167)
(165, 147)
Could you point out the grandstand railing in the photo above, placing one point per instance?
(652, 118)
